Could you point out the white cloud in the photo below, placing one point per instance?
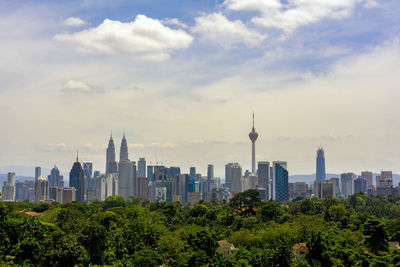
(252, 5)
(288, 16)
(74, 22)
(174, 21)
(371, 4)
(217, 28)
(76, 86)
(55, 147)
(144, 36)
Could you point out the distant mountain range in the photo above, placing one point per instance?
(28, 171)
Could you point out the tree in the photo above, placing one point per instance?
(376, 237)
(271, 210)
(246, 203)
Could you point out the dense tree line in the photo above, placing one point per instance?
(350, 232)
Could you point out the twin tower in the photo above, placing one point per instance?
(111, 164)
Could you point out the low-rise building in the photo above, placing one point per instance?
(228, 249)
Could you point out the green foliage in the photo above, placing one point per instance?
(376, 237)
(115, 232)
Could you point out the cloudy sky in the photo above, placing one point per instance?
(183, 78)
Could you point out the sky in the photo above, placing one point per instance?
(182, 78)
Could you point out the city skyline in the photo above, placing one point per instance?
(331, 79)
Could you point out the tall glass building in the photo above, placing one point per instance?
(77, 180)
(280, 181)
(321, 175)
(263, 177)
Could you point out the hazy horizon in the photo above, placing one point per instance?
(184, 79)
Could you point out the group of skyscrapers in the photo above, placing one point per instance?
(160, 183)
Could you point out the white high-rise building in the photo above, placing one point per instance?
(347, 180)
(235, 174)
(126, 178)
(8, 190)
(41, 189)
(111, 183)
(66, 194)
(101, 187)
(253, 181)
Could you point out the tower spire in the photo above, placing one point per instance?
(253, 119)
(253, 135)
(77, 155)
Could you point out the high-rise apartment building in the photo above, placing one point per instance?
(280, 181)
(320, 171)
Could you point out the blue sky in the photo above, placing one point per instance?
(183, 77)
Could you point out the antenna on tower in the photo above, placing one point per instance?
(253, 119)
(77, 155)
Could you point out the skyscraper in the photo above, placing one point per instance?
(253, 137)
(347, 180)
(8, 191)
(41, 189)
(360, 185)
(367, 176)
(123, 153)
(142, 168)
(321, 175)
(228, 175)
(88, 171)
(235, 174)
(38, 172)
(77, 180)
(55, 179)
(150, 171)
(111, 164)
(280, 182)
(210, 172)
(125, 172)
(192, 173)
(263, 177)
